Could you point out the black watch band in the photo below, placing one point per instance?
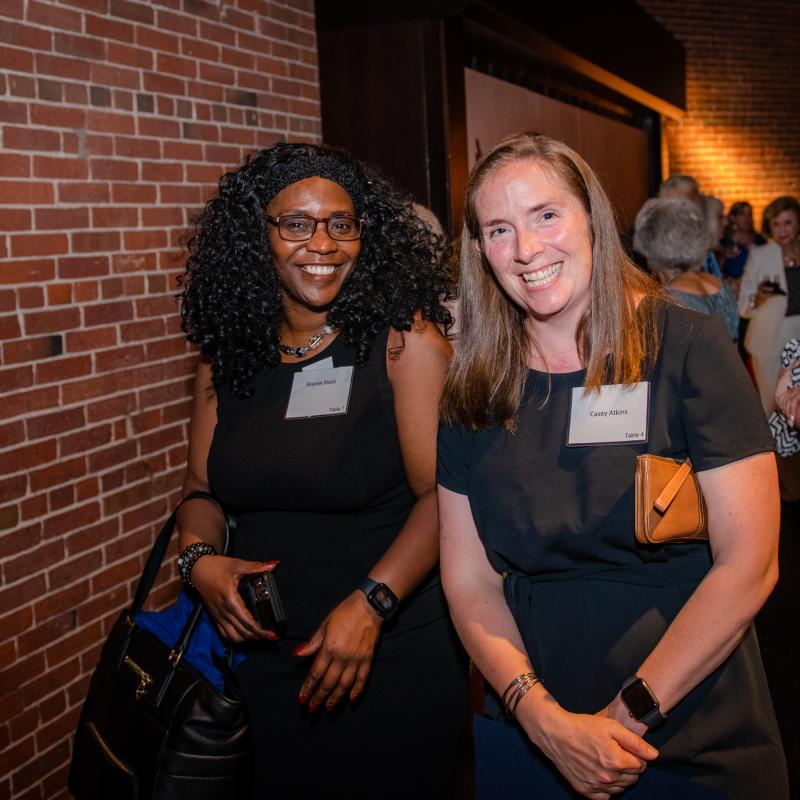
(380, 597)
(641, 702)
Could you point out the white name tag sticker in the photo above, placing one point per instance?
(616, 414)
(320, 393)
(326, 363)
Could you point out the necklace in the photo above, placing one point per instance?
(313, 343)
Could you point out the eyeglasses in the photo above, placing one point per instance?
(301, 227)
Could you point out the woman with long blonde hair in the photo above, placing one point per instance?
(612, 666)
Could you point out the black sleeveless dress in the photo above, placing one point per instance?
(326, 496)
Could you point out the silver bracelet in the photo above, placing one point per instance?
(516, 690)
(189, 556)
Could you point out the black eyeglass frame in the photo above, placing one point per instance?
(276, 221)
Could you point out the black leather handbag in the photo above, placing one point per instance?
(152, 726)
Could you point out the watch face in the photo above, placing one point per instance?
(383, 598)
(639, 699)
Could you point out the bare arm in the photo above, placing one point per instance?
(345, 642)
(216, 577)
(744, 519)
(787, 397)
(598, 756)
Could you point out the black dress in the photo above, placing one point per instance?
(590, 602)
(326, 496)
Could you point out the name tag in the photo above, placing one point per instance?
(320, 393)
(616, 414)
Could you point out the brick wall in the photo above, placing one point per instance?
(740, 135)
(116, 119)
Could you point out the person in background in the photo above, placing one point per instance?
(681, 186)
(673, 237)
(314, 293)
(739, 237)
(769, 296)
(615, 667)
(714, 212)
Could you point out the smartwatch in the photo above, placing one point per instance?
(380, 597)
(641, 703)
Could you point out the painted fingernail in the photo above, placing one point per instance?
(330, 706)
(297, 650)
(271, 637)
(313, 707)
(303, 698)
(354, 697)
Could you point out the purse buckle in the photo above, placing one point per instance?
(145, 681)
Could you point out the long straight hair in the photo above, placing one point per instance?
(616, 340)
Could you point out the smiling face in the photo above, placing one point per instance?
(785, 227)
(535, 235)
(312, 273)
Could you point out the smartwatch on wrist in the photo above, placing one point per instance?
(641, 703)
(380, 597)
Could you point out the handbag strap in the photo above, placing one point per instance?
(153, 564)
(669, 492)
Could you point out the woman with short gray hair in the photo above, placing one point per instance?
(672, 235)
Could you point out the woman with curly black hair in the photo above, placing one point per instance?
(314, 293)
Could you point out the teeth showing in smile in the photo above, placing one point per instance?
(319, 270)
(542, 276)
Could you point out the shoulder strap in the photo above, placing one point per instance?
(668, 493)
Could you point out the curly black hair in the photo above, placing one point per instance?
(231, 302)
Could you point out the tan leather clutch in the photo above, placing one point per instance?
(669, 503)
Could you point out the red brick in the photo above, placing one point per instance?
(105, 28)
(114, 169)
(9, 327)
(101, 604)
(63, 368)
(16, 622)
(57, 602)
(116, 575)
(26, 36)
(45, 632)
(32, 271)
(28, 401)
(162, 173)
(87, 489)
(83, 192)
(25, 192)
(54, 423)
(19, 753)
(33, 507)
(95, 242)
(84, 266)
(157, 39)
(121, 405)
(111, 456)
(9, 517)
(27, 350)
(15, 165)
(145, 329)
(176, 22)
(74, 645)
(174, 65)
(61, 218)
(58, 474)
(85, 440)
(136, 193)
(75, 518)
(59, 294)
(74, 569)
(52, 321)
(130, 56)
(136, 12)
(18, 596)
(14, 58)
(30, 297)
(33, 561)
(25, 245)
(115, 217)
(57, 117)
(53, 16)
(12, 433)
(27, 457)
(93, 537)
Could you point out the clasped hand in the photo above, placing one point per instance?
(598, 755)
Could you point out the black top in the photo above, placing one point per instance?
(578, 501)
(793, 291)
(589, 601)
(325, 495)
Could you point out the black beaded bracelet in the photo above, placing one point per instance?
(189, 557)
